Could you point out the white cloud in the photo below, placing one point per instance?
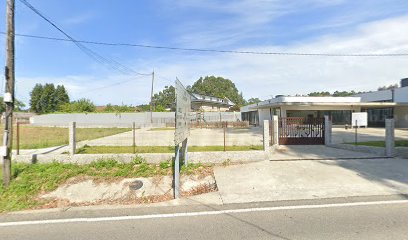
(78, 19)
(261, 76)
(264, 75)
(237, 20)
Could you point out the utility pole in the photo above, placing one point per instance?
(8, 97)
(151, 99)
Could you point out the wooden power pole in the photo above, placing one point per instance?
(9, 96)
(151, 99)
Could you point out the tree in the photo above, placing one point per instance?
(392, 86)
(165, 98)
(35, 96)
(344, 93)
(253, 100)
(335, 94)
(143, 108)
(61, 96)
(18, 105)
(319, 94)
(218, 87)
(47, 98)
(79, 106)
(118, 108)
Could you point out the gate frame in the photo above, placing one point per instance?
(318, 124)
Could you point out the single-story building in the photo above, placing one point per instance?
(398, 96)
(203, 103)
(338, 108)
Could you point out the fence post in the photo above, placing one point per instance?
(275, 129)
(18, 136)
(72, 138)
(225, 129)
(327, 130)
(266, 138)
(134, 137)
(389, 137)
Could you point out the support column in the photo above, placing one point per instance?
(389, 138)
(266, 137)
(275, 130)
(72, 138)
(327, 130)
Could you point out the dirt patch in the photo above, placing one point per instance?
(86, 191)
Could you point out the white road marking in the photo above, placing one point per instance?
(204, 213)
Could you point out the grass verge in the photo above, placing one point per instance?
(398, 143)
(163, 129)
(31, 180)
(160, 149)
(42, 137)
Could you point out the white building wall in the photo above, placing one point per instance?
(264, 114)
(401, 117)
(377, 96)
(323, 108)
(401, 95)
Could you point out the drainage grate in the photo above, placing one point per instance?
(136, 185)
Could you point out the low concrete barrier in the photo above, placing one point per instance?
(365, 149)
(380, 151)
(153, 158)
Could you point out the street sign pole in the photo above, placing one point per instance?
(182, 119)
(185, 151)
(177, 173)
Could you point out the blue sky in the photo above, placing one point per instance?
(336, 26)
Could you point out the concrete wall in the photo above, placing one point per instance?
(122, 119)
(401, 117)
(154, 158)
(401, 95)
(264, 114)
(377, 96)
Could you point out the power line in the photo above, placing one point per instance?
(109, 85)
(218, 51)
(92, 54)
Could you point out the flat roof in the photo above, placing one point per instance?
(358, 104)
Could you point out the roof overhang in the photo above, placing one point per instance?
(326, 104)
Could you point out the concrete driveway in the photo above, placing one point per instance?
(341, 135)
(312, 179)
(198, 137)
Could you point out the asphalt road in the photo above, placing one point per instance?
(362, 219)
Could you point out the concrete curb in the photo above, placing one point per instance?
(153, 158)
(380, 151)
(365, 149)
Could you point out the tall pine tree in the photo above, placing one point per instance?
(61, 97)
(35, 97)
(48, 98)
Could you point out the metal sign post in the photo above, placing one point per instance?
(177, 173)
(182, 115)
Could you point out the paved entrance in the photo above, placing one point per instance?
(311, 179)
(315, 152)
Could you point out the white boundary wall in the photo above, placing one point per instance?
(160, 119)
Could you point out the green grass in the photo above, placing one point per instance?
(31, 180)
(42, 137)
(161, 149)
(398, 143)
(162, 129)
